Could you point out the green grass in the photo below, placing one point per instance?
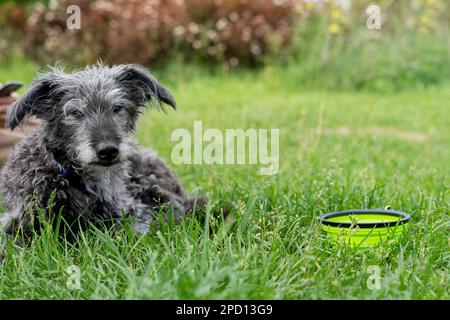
(17, 69)
(337, 151)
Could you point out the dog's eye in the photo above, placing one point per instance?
(76, 113)
(117, 109)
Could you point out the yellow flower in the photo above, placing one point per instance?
(336, 13)
(310, 5)
(334, 28)
(424, 19)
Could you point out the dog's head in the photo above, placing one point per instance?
(91, 113)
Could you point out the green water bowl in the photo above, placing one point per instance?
(364, 228)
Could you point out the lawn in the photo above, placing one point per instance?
(338, 150)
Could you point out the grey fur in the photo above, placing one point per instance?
(80, 112)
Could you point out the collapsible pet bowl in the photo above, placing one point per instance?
(364, 228)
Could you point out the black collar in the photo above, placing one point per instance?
(68, 172)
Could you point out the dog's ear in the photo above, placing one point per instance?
(141, 86)
(37, 100)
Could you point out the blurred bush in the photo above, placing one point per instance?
(115, 31)
(322, 43)
(235, 31)
(13, 23)
(334, 49)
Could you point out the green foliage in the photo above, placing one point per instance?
(334, 49)
(18, 69)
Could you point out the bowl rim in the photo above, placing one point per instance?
(404, 218)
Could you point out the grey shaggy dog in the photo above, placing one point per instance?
(84, 156)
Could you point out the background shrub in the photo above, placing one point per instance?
(13, 22)
(334, 49)
(321, 43)
(115, 31)
(147, 31)
(235, 31)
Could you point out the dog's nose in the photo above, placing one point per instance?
(107, 151)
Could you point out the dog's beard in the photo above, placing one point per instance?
(85, 154)
(108, 183)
